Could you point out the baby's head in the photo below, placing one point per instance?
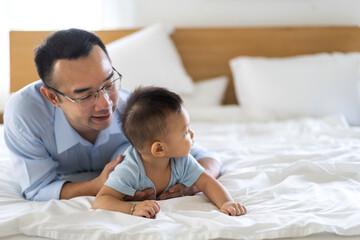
(155, 121)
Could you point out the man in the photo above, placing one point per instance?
(64, 124)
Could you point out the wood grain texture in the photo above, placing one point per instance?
(206, 52)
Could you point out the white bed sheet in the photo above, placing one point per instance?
(298, 178)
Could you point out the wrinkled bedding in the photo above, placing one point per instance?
(298, 178)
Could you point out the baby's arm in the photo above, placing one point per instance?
(216, 192)
(110, 199)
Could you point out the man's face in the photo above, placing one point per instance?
(79, 77)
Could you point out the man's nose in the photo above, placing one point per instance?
(103, 101)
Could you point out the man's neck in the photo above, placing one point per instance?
(85, 132)
(90, 136)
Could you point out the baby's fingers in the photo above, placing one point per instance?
(147, 212)
(233, 209)
(153, 209)
(147, 209)
(228, 210)
(224, 211)
(241, 208)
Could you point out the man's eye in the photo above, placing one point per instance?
(109, 86)
(87, 97)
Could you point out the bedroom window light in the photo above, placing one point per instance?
(52, 15)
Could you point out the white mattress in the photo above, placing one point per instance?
(298, 179)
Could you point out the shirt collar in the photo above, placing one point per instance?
(114, 128)
(66, 137)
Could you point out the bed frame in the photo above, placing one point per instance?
(206, 52)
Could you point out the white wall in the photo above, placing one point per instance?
(4, 56)
(112, 14)
(137, 13)
(41, 15)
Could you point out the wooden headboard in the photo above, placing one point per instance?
(206, 52)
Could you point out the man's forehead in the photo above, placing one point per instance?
(92, 69)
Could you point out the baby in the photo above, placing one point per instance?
(158, 127)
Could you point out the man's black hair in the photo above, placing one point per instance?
(65, 44)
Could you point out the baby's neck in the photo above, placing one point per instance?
(151, 162)
(158, 170)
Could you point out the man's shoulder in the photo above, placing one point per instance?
(28, 104)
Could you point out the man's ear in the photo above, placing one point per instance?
(50, 95)
(157, 149)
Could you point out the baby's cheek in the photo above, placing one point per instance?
(190, 144)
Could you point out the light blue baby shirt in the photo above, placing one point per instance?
(130, 176)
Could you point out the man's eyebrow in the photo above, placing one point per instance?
(81, 90)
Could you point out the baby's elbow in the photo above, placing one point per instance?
(96, 204)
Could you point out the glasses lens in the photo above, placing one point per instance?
(113, 87)
(110, 89)
(88, 101)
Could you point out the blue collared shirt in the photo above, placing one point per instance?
(44, 147)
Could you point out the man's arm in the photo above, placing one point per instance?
(33, 166)
(212, 167)
(36, 169)
(89, 188)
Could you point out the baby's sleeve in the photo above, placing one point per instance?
(123, 179)
(191, 170)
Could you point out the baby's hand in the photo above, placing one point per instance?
(233, 209)
(147, 208)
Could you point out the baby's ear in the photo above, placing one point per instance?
(157, 149)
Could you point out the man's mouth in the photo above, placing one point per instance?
(101, 118)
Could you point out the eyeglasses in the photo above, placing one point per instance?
(90, 99)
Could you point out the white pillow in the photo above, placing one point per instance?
(149, 57)
(209, 92)
(309, 85)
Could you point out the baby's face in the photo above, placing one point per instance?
(180, 138)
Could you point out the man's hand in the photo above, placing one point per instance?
(89, 188)
(101, 179)
(146, 194)
(179, 190)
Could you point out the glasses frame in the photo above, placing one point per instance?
(76, 100)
